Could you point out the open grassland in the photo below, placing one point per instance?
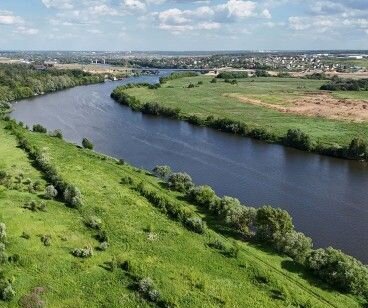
(276, 104)
(185, 270)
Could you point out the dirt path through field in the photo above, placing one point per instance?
(315, 105)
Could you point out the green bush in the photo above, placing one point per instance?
(57, 134)
(299, 140)
(73, 196)
(339, 270)
(50, 192)
(202, 196)
(38, 128)
(147, 289)
(7, 292)
(294, 244)
(180, 181)
(195, 224)
(271, 223)
(87, 144)
(241, 219)
(358, 149)
(232, 75)
(85, 252)
(94, 222)
(162, 171)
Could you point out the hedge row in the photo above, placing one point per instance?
(274, 227)
(172, 209)
(69, 193)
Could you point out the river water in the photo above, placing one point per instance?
(327, 197)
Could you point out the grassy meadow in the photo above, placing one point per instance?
(220, 99)
(185, 270)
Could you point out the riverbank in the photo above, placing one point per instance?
(151, 242)
(269, 109)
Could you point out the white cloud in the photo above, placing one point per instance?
(135, 5)
(266, 14)
(26, 30)
(58, 4)
(8, 18)
(240, 8)
(317, 23)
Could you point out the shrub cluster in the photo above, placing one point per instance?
(50, 192)
(38, 128)
(180, 181)
(7, 292)
(69, 193)
(337, 84)
(232, 75)
(85, 252)
(162, 172)
(261, 73)
(172, 209)
(87, 144)
(299, 140)
(158, 110)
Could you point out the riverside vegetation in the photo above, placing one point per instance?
(126, 238)
(23, 81)
(207, 101)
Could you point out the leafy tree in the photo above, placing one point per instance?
(203, 196)
(272, 223)
(339, 270)
(297, 139)
(242, 219)
(38, 128)
(162, 171)
(358, 148)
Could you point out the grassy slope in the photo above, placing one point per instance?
(209, 99)
(184, 268)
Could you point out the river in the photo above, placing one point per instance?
(327, 197)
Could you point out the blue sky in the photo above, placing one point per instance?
(183, 24)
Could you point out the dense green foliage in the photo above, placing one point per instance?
(87, 144)
(177, 75)
(337, 84)
(232, 75)
(23, 81)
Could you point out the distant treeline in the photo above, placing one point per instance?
(177, 75)
(272, 227)
(19, 81)
(242, 74)
(337, 84)
(356, 150)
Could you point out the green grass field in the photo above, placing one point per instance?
(186, 271)
(213, 99)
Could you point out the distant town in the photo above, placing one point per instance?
(120, 63)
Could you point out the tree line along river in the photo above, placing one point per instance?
(327, 197)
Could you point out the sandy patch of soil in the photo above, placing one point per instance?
(316, 105)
